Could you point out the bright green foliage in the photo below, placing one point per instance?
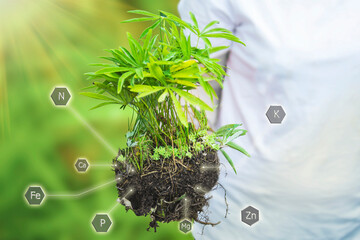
(153, 77)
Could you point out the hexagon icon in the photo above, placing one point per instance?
(185, 226)
(34, 195)
(101, 222)
(275, 114)
(82, 165)
(250, 215)
(60, 96)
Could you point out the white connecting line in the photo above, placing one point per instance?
(186, 207)
(93, 131)
(84, 192)
(101, 165)
(117, 204)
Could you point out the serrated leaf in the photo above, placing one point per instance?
(237, 147)
(228, 159)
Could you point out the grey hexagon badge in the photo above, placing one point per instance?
(185, 226)
(34, 195)
(250, 215)
(60, 96)
(101, 223)
(82, 165)
(275, 114)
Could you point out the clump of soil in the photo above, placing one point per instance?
(167, 189)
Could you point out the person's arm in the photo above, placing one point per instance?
(206, 11)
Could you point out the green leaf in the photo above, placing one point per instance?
(89, 87)
(163, 96)
(136, 49)
(183, 82)
(164, 62)
(142, 88)
(146, 13)
(147, 30)
(190, 72)
(180, 113)
(178, 20)
(103, 104)
(207, 42)
(182, 65)
(216, 49)
(207, 88)
(156, 89)
(228, 159)
(218, 30)
(96, 96)
(122, 79)
(237, 147)
(235, 134)
(225, 36)
(192, 99)
(156, 71)
(147, 41)
(111, 70)
(144, 19)
(128, 58)
(193, 18)
(212, 23)
(226, 128)
(139, 73)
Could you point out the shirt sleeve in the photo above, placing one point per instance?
(206, 11)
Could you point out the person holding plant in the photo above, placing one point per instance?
(303, 175)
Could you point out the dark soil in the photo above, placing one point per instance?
(167, 189)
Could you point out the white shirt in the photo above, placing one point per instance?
(304, 174)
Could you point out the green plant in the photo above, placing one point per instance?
(154, 78)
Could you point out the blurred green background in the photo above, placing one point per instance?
(48, 43)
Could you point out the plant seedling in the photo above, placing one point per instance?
(169, 138)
